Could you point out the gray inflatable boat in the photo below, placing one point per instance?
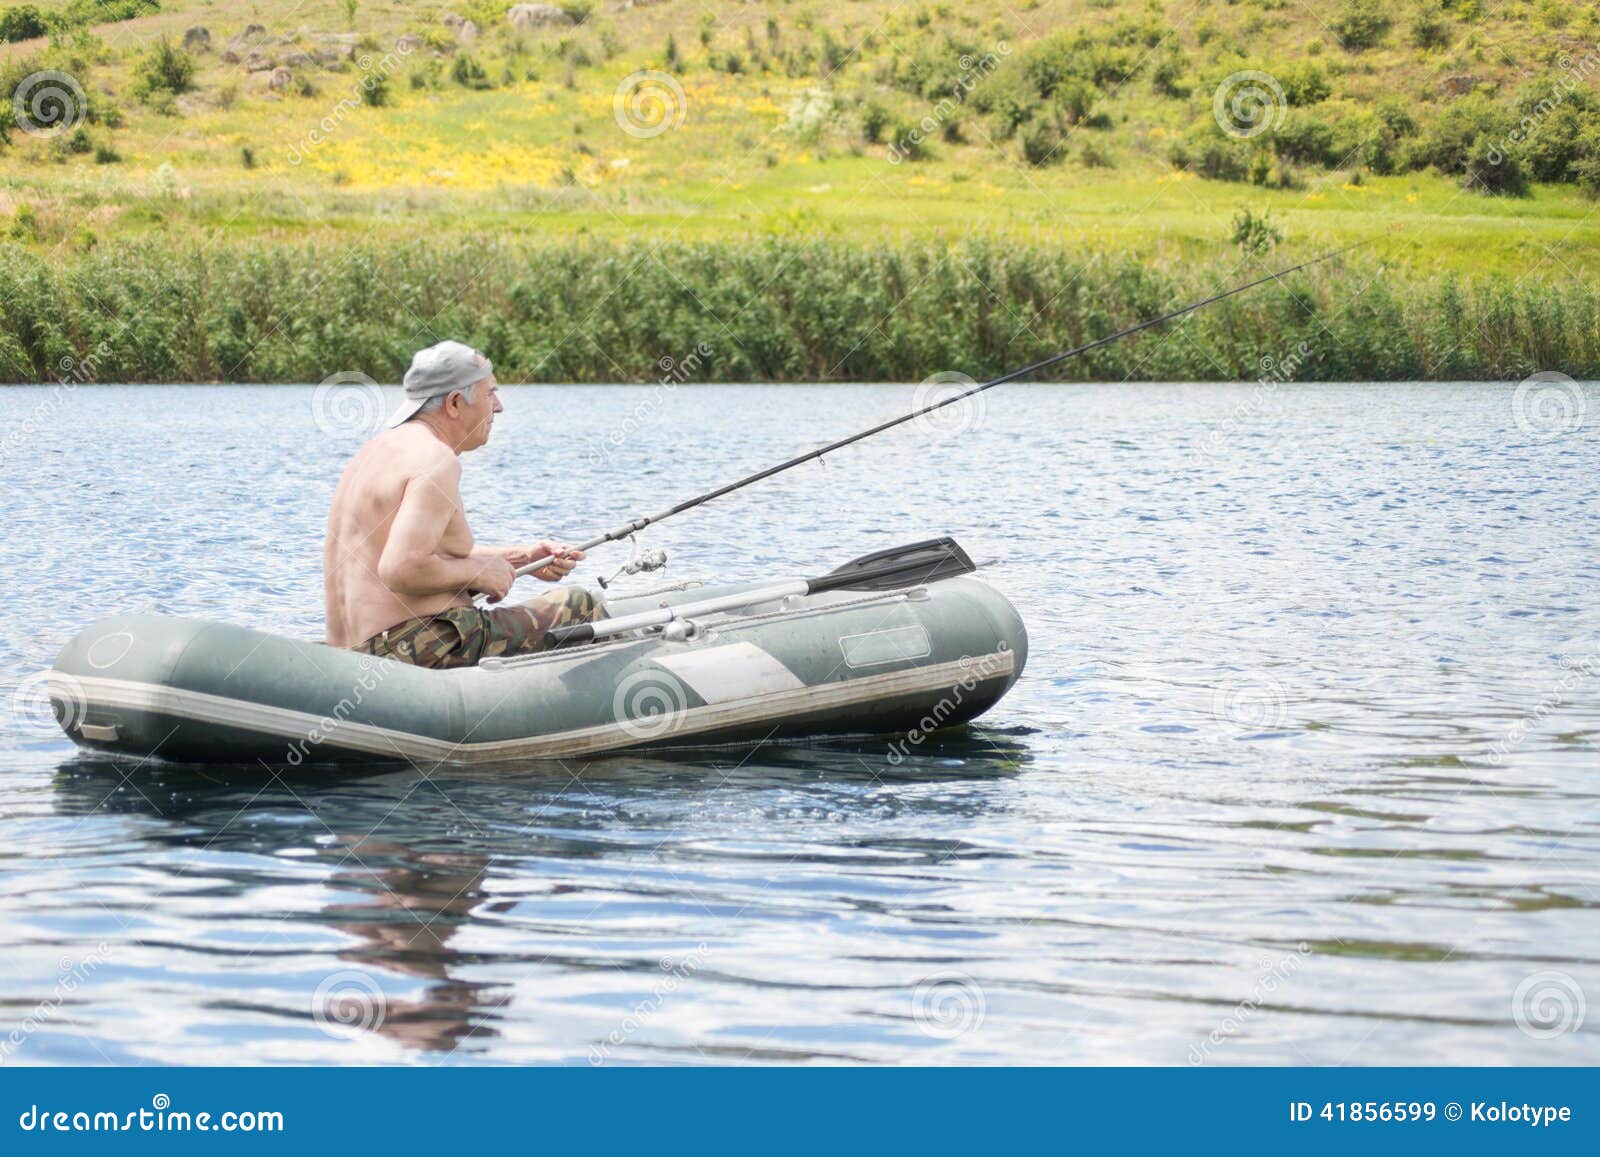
(686, 667)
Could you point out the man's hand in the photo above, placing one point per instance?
(564, 559)
(494, 578)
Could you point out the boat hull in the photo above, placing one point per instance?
(838, 664)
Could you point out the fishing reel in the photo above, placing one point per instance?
(638, 563)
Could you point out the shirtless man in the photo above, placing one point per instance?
(400, 567)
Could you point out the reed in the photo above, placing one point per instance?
(762, 310)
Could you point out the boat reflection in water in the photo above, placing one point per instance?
(441, 883)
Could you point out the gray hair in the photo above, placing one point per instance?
(470, 393)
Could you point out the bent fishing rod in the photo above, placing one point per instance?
(640, 523)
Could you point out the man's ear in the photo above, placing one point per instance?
(454, 403)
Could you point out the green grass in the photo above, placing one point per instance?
(538, 159)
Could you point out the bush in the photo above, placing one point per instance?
(165, 68)
(1304, 84)
(1304, 139)
(1211, 155)
(468, 73)
(1167, 78)
(874, 119)
(375, 90)
(1255, 234)
(1488, 168)
(1041, 144)
(1361, 24)
(23, 22)
(1429, 29)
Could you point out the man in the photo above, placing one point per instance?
(400, 567)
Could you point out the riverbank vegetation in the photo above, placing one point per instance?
(771, 310)
(1463, 136)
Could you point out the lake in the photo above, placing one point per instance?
(1303, 767)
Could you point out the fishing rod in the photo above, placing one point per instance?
(640, 523)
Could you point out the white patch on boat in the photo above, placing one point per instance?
(732, 671)
(895, 645)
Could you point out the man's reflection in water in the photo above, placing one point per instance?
(417, 902)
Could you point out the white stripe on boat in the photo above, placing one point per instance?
(731, 672)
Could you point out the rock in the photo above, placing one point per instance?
(197, 39)
(281, 79)
(452, 21)
(466, 32)
(252, 35)
(259, 62)
(410, 42)
(1458, 85)
(298, 60)
(527, 17)
(342, 45)
(230, 57)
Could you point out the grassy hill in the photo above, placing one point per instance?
(1187, 135)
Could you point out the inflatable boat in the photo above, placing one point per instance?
(867, 650)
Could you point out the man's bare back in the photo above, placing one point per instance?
(359, 601)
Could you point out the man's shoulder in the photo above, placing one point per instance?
(413, 451)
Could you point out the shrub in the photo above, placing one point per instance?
(1429, 29)
(1167, 78)
(578, 11)
(1041, 144)
(1361, 24)
(1304, 139)
(468, 73)
(104, 154)
(874, 119)
(375, 90)
(1304, 83)
(23, 22)
(1211, 155)
(1490, 169)
(165, 68)
(1255, 234)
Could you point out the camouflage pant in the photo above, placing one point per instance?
(462, 636)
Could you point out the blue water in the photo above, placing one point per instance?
(1303, 768)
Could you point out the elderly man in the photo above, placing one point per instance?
(400, 567)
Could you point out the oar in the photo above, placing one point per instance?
(639, 524)
(884, 570)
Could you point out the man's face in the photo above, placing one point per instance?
(478, 415)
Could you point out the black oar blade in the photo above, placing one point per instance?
(899, 566)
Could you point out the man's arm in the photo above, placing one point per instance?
(563, 557)
(412, 563)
